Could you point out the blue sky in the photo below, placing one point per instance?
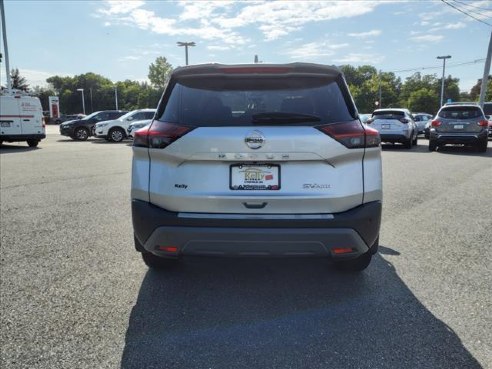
(119, 39)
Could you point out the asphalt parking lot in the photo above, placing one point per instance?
(75, 294)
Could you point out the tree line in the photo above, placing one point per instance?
(419, 93)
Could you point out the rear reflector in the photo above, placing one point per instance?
(159, 134)
(172, 249)
(436, 123)
(352, 135)
(342, 250)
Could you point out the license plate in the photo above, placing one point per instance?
(385, 126)
(458, 126)
(5, 124)
(255, 177)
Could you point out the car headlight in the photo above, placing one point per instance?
(100, 125)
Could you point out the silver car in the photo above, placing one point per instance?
(136, 126)
(257, 160)
(395, 126)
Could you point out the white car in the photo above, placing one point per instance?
(136, 126)
(116, 130)
(395, 125)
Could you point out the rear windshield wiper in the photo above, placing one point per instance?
(279, 117)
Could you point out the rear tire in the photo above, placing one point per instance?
(156, 262)
(415, 142)
(354, 265)
(432, 145)
(482, 146)
(32, 143)
(408, 144)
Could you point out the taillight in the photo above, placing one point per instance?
(404, 120)
(159, 134)
(436, 123)
(483, 123)
(352, 134)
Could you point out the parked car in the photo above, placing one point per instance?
(459, 124)
(257, 160)
(82, 129)
(395, 126)
(21, 118)
(115, 130)
(421, 120)
(67, 117)
(136, 126)
(487, 110)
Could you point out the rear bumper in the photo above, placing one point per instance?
(458, 138)
(395, 137)
(255, 235)
(16, 138)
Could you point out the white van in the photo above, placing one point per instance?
(21, 118)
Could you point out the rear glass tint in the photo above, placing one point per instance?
(236, 101)
(460, 112)
(388, 115)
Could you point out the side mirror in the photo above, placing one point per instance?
(370, 120)
(129, 118)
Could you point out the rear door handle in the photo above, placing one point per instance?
(255, 206)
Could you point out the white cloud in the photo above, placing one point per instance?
(218, 48)
(218, 20)
(38, 78)
(359, 58)
(314, 50)
(129, 58)
(427, 38)
(374, 32)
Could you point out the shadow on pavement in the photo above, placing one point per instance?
(463, 150)
(12, 148)
(220, 313)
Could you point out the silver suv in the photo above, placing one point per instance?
(395, 125)
(459, 124)
(257, 160)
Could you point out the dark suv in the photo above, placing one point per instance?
(459, 124)
(81, 129)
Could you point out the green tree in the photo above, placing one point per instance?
(475, 90)
(159, 72)
(423, 100)
(18, 82)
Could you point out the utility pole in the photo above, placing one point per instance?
(116, 96)
(380, 92)
(186, 44)
(486, 71)
(443, 72)
(4, 30)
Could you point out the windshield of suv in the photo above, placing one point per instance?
(90, 115)
(460, 112)
(268, 101)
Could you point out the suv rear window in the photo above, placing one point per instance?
(244, 101)
(388, 115)
(460, 112)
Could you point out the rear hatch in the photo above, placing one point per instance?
(389, 122)
(459, 120)
(267, 142)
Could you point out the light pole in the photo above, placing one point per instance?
(83, 99)
(186, 44)
(116, 96)
(443, 71)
